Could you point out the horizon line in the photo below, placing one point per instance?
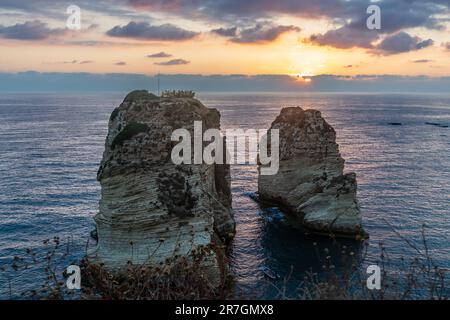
(231, 74)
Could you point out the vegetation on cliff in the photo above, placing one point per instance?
(178, 94)
(178, 278)
(130, 130)
(140, 95)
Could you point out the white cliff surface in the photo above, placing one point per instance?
(151, 209)
(310, 182)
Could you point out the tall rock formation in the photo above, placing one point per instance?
(310, 182)
(150, 208)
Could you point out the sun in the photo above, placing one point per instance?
(305, 78)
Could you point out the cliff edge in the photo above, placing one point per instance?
(310, 182)
(151, 209)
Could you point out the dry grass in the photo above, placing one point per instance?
(417, 277)
(175, 279)
(178, 94)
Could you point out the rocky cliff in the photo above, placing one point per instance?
(150, 208)
(310, 182)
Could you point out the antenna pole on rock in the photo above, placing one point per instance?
(157, 78)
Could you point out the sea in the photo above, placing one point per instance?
(51, 145)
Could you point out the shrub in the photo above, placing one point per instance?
(175, 279)
(178, 94)
(130, 130)
(114, 114)
(139, 95)
(418, 277)
(179, 278)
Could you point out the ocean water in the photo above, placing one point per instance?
(51, 146)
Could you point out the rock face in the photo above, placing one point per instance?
(310, 182)
(150, 208)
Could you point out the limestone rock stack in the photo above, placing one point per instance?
(310, 182)
(150, 208)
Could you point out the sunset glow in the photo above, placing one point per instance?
(235, 158)
(116, 37)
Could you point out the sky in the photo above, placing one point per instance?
(304, 40)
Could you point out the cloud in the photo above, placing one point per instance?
(353, 31)
(226, 32)
(93, 26)
(120, 63)
(425, 43)
(414, 13)
(145, 31)
(354, 35)
(396, 14)
(401, 42)
(260, 33)
(348, 36)
(101, 43)
(78, 62)
(422, 61)
(30, 30)
(56, 9)
(348, 16)
(159, 55)
(446, 45)
(174, 62)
